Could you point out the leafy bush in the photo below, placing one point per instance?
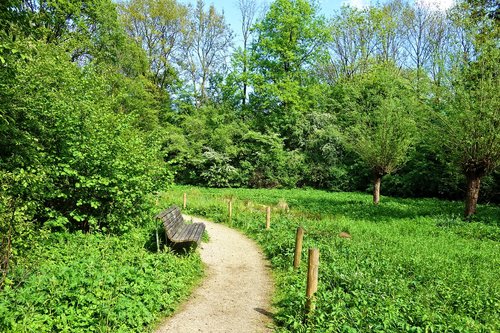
(17, 231)
(97, 164)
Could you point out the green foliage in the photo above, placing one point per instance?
(95, 283)
(72, 127)
(473, 108)
(17, 232)
(411, 265)
(215, 148)
(381, 114)
(291, 38)
(156, 26)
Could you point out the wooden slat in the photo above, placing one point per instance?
(177, 237)
(171, 229)
(194, 232)
(176, 230)
(190, 229)
(199, 232)
(166, 211)
(183, 234)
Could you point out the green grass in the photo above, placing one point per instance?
(412, 265)
(95, 283)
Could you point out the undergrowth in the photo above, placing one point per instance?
(412, 265)
(79, 282)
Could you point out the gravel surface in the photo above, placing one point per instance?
(235, 295)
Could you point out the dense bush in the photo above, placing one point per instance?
(96, 164)
(215, 148)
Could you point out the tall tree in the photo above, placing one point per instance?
(389, 31)
(248, 10)
(289, 41)
(206, 47)
(352, 44)
(158, 26)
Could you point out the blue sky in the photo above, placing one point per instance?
(233, 16)
(328, 7)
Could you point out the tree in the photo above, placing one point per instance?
(352, 44)
(469, 122)
(248, 10)
(205, 49)
(158, 26)
(472, 127)
(425, 40)
(379, 109)
(289, 41)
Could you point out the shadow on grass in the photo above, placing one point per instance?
(391, 208)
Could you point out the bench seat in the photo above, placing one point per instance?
(176, 230)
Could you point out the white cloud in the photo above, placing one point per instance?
(360, 4)
(436, 4)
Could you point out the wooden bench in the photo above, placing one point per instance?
(176, 230)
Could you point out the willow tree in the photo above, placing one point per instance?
(378, 111)
(469, 125)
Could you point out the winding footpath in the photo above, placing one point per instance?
(236, 293)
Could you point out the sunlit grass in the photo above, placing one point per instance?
(412, 264)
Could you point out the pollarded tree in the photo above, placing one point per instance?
(472, 126)
(469, 125)
(378, 109)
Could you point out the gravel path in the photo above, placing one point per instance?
(235, 295)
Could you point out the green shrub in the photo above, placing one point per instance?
(97, 164)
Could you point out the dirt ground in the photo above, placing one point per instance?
(236, 293)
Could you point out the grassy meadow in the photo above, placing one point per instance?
(412, 265)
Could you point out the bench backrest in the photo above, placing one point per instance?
(172, 220)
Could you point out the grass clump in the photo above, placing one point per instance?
(411, 265)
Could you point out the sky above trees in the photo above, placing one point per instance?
(328, 7)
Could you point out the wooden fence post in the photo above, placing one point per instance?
(312, 280)
(230, 211)
(157, 238)
(184, 200)
(268, 217)
(298, 247)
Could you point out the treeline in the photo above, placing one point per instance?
(103, 103)
(337, 103)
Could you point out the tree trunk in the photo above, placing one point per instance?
(376, 189)
(473, 184)
(245, 84)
